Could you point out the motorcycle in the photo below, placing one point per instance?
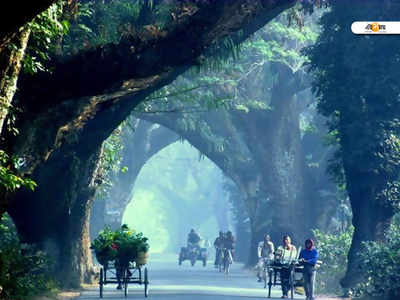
(193, 253)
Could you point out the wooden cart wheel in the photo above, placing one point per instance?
(265, 277)
(146, 283)
(101, 282)
(126, 280)
(192, 261)
(269, 283)
(105, 274)
(292, 282)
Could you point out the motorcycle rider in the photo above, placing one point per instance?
(218, 244)
(265, 251)
(193, 239)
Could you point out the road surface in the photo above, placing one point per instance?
(172, 282)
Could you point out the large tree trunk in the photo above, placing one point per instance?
(371, 218)
(250, 189)
(284, 178)
(56, 215)
(370, 223)
(221, 209)
(243, 237)
(321, 194)
(280, 154)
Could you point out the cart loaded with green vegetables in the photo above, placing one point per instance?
(122, 254)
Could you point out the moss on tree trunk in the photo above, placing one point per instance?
(10, 65)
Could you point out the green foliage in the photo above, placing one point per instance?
(46, 29)
(129, 244)
(101, 22)
(227, 80)
(8, 178)
(110, 161)
(192, 96)
(381, 263)
(103, 246)
(24, 270)
(240, 83)
(122, 245)
(188, 95)
(333, 250)
(112, 149)
(279, 42)
(219, 55)
(357, 83)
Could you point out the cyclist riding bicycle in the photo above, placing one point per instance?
(219, 245)
(265, 251)
(229, 243)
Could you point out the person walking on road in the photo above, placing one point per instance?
(308, 257)
(288, 250)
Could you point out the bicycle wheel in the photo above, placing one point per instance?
(126, 280)
(193, 260)
(221, 260)
(291, 278)
(146, 283)
(226, 264)
(101, 282)
(265, 277)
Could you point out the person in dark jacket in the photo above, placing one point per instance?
(308, 257)
(219, 245)
(193, 238)
(229, 243)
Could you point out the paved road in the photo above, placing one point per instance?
(172, 282)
